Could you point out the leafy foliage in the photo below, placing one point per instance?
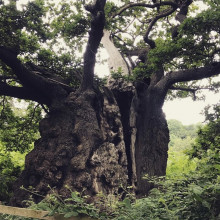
(11, 165)
(14, 29)
(71, 207)
(196, 44)
(193, 195)
(181, 139)
(178, 130)
(53, 39)
(19, 131)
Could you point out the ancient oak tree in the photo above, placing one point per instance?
(101, 136)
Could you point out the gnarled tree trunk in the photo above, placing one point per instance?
(81, 146)
(97, 143)
(146, 133)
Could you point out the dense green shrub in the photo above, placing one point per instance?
(18, 131)
(11, 164)
(194, 194)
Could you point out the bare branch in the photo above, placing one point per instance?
(116, 60)
(190, 89)
(131, 5)
(153, 22)
(184, 89)
(95, 36)
(193, 91)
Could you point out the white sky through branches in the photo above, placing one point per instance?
(185, 110)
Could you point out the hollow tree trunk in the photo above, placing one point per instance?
(97, 142)
(146, 133)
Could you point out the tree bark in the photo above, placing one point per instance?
(151, 148)
(115, 60)
(97, 142)
(81, 146)
(146, 133)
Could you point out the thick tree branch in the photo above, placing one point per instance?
(23, 74)
(31, 80)
(141, 53)
(116, 60)
(95, 36)
(21, 93)
(187, 75)
(183, 10)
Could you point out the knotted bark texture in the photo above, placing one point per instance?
(81, 146)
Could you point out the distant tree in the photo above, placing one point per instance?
(191, 188)
(96, 138)
(181, 139)
(182, 136)
(176, 128)
(208, 140)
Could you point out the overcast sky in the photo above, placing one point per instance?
(188, 111)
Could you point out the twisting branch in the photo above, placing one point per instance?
(164, 13)
(181, 16)
(156, 5)
(153, 22)
(95, 36)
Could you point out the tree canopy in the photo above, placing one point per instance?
(178, 36)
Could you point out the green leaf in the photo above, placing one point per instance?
(127, 203)
(70, 214)
(197, 190)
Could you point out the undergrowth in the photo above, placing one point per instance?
(193, 195)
